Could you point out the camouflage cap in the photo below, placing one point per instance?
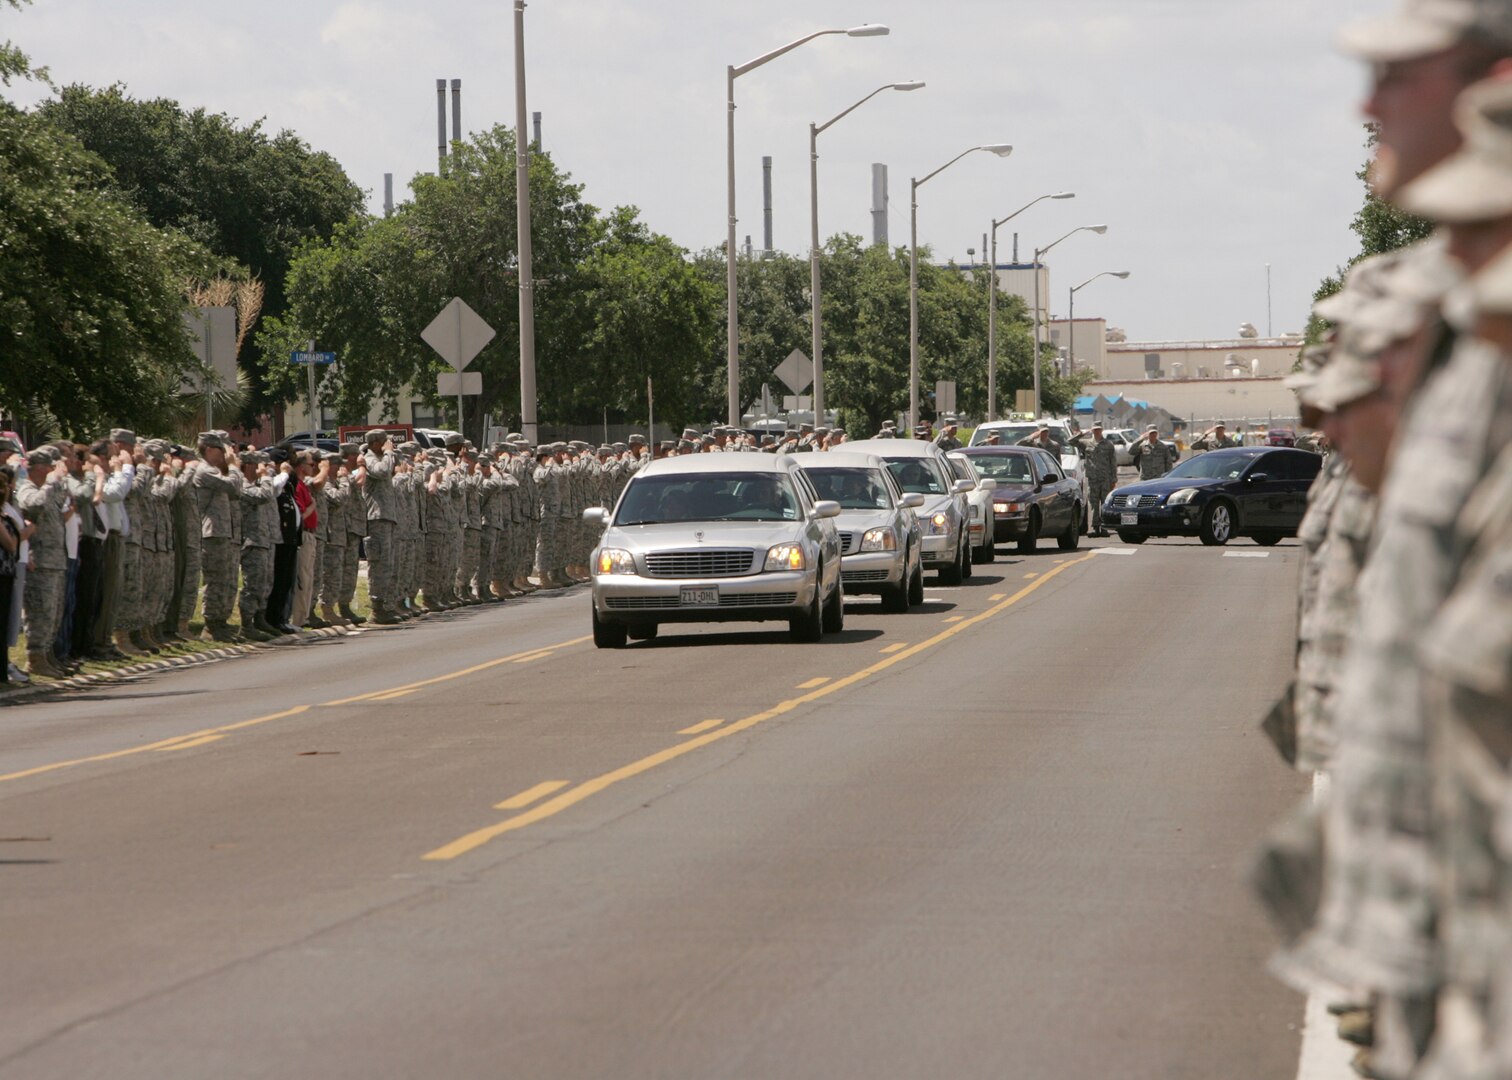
(619, 448)
(1305, 378)
(1364, 282)
(350, 448)
(210, 440)
(1351, 373)
(637, 440)
(40, 459)
(376, 435)
(255, 457)
(332, 456)
(156, 448)
(1422, 27)
(453, 441)
(1475, 184)
(123, 435)
(9, 446)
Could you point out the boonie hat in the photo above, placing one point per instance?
(1421, 27)
(1476, 183)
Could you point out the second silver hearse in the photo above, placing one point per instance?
(880, 538)
(716, 538)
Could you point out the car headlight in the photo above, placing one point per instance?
(1182, 497)
(879, 540)
(615, 561)
(785, 557)
(1008, 508)
(939, 525)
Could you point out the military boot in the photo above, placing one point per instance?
(382, 616)
(221, 632)
(168, 634)
(330, 615)
(1358, 1027)
(260, 621)
(183, 629)
(351, 616)
(123, 645)
(140, 640)
(315, 622)
(38, 663)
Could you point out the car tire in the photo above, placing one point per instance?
(808, 627)
(951, 575)
(608, 635)
(643, 632)
(1217, 524)
(1030, 540)
(1071, 538)
(1131, 537)
(1270, 540)
(895, 598)
(966, 557)
(834, 611)
(916, 587)
(988, 551)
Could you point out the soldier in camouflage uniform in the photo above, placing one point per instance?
(259, 532)
(186, 548)
(378, 461)
(440, 476)
(1215, 438)
(524, 517)
(1102, 473)
(42, 496)
(338, 492)
(356, 526)
(411, 487)
(470, 527)
(217, 487)
(491, 516)
(1153, 457)
(548, 485)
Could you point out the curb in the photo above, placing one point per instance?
(170, 663)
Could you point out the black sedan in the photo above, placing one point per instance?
(1253, 491)
(1033, 498)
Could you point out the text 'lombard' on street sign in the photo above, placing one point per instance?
(313, 357)
(458, 334)
(796, 372)
(452, 383)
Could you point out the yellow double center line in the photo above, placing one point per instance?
(551, 807)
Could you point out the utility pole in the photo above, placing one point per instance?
(528, 417)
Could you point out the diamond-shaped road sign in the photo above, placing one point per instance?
(796, 372)
(458, 334)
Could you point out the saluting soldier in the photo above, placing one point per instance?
(1215, 438)
(1102, 473)
(1153, 457)
(217, 490)
(378, 460)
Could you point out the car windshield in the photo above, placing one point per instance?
(1212, 467)
(917, 474)
(1007, 468)
(1013, 434)
(659, 500)
(853, 489)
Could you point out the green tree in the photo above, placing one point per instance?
(238, 191)
(614, 302)
(1380, 226)
(91, 294)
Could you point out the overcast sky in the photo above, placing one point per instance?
(1212, 136)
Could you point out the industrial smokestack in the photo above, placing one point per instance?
(1015, 249)
(879, 204)
(441, 120)
(456, 110)
(986, 251)
(535, 119)
(766, 204)
(388, 194)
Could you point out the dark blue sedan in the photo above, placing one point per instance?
(1253, 491)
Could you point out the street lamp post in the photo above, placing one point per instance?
(1039, 254)
(992, 302)
(1001, 150)
(816, 311)
(733, 319)
(1071, 341)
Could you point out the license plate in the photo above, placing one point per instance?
(700, 597)
(1128, 519)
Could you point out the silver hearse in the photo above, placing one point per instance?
(880, 540)
(945, 518)
(716, 538)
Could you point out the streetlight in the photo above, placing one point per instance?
(817, 315)
(992, 303)
(1122, 275)
(1039, 254)
(1001, 150)
(734, 72)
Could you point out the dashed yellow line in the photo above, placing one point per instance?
(189, 744)
(997, 596)
(700, 728)
(820, 681)
(570, 798)
(530, 795)
(955, 618)
(899, 647)
(1030, 577)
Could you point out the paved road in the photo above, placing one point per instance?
(994, 837)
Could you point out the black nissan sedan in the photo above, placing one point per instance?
(1254, 491)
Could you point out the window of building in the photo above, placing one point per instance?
(423, 416)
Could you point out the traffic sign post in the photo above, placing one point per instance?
(458, 334)
(311, 360)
